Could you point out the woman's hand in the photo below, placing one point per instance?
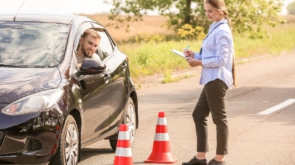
(194, 62)
(189, 54)
(190, 58)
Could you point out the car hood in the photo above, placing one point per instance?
(16, 83)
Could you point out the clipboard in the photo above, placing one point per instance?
(178, 53)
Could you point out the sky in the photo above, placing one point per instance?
(65, 6)
(56, 6)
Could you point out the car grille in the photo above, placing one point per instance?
(1, 137)
(34, 145)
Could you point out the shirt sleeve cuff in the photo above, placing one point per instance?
(197, 56)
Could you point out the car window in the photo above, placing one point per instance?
(80, 32)
(98, 53)
(32, 44)
(105, 45)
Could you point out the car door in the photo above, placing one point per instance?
(96, 100)
(117, 67)
(120, 89)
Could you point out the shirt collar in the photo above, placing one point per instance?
(213, 25)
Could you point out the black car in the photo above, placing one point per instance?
(50, 107)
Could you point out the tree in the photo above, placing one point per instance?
(247, 16)
(291, 8)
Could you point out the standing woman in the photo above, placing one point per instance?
(217, 60)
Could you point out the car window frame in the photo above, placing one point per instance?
(82, 27)
(110, 37)
(98, 27)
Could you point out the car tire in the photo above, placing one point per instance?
(130, 120)
(68, 151)
(113, 143)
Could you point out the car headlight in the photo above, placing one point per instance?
(34, 103)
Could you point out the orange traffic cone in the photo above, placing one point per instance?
(123, 155)
(161, 149)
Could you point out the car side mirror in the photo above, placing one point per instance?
(91, 66)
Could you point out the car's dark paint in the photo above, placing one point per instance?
(119, 96)
(17, 83)
(12, 149)
(90, 67)
(81, 95)
(97, 93)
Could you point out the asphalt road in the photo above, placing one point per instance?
(265, 83)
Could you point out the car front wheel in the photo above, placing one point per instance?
(68, 151)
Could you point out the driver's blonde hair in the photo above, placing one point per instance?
(91, 32)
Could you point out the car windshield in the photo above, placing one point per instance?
(32, 44)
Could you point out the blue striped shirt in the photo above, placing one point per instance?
(217, 54)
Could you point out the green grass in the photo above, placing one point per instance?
(168, 78)
(282, 38)
(151, 58)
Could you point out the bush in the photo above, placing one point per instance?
(190, 33)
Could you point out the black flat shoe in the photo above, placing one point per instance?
(215, 162)
(195, 161)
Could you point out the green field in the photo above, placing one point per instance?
(149, 58)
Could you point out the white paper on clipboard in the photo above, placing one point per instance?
(178, 53)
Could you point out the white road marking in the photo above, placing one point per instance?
(277, 107)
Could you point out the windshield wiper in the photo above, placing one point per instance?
(8, 65)
(13, 66)
(21, 66)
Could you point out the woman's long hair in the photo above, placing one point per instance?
(220, 6)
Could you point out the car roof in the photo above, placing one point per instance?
(52, 18)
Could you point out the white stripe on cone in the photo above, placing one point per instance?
(124, 152)
(161, 137)
(123, 135)
(162, 121)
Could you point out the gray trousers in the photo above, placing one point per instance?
(212, 99)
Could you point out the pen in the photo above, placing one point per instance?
(187, 47)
